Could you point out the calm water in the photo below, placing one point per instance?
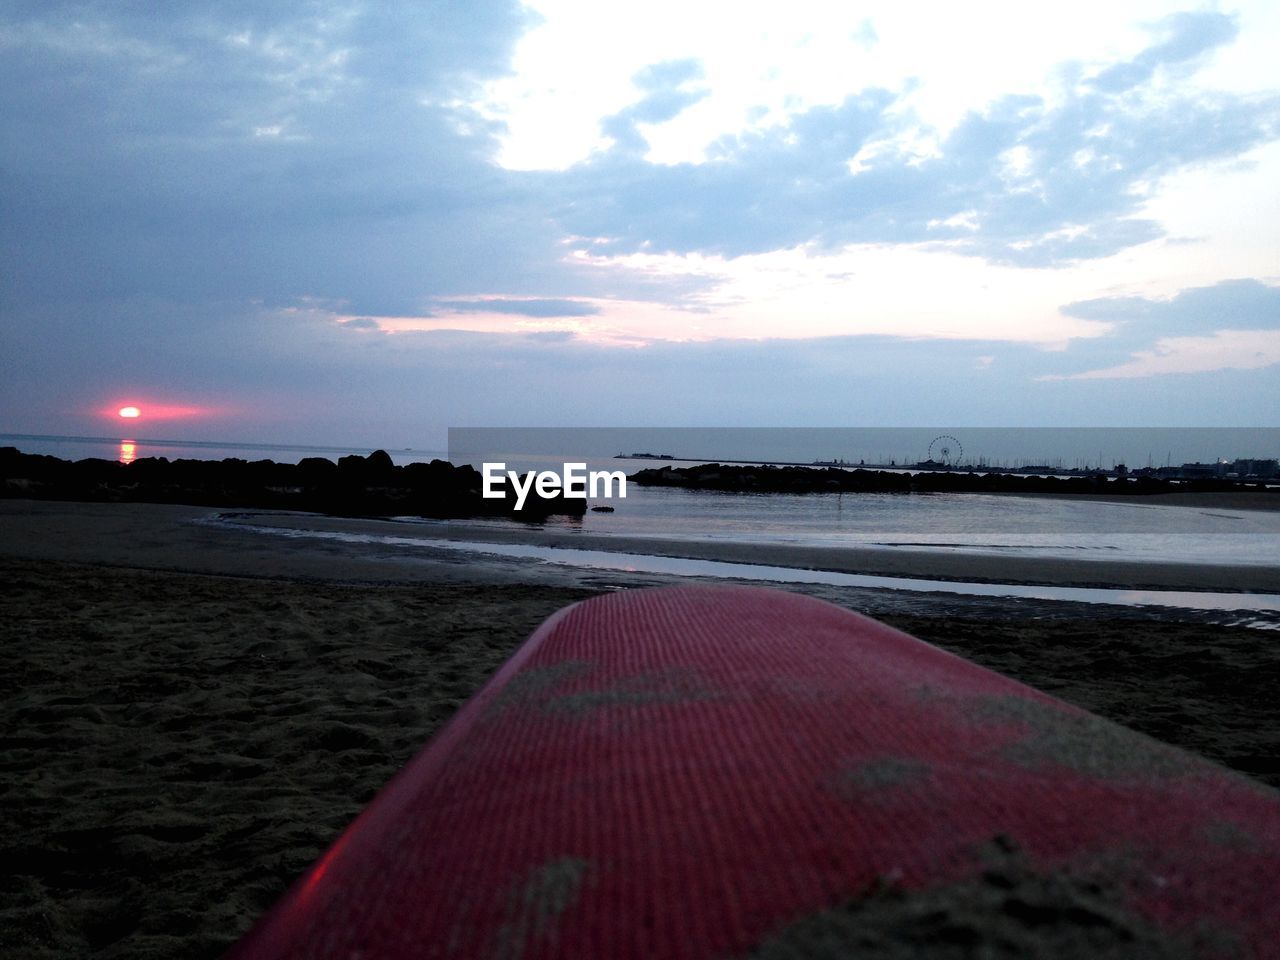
(1256, 610)
(967, 523)
(970, 523)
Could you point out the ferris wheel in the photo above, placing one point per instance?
(946, 450)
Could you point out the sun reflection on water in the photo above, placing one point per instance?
(128, 451)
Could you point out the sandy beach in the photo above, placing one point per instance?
(192, 712)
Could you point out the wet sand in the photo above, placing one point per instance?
(192, 713)
(166, 537)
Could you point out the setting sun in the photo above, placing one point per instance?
(130, 413)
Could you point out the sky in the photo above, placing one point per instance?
(326, 222)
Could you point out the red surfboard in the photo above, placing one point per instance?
(729, 772)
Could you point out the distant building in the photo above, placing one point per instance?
(1256, 468)
(1199, 471)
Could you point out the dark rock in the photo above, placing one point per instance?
(354, 486)
(770, 479)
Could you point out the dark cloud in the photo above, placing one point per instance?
(191, 191)
(273, 152)
(855, 380)
(1140, 322)
(221, 150)
(1230, 305)
(298, 375)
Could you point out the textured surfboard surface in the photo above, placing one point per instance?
(733, 772)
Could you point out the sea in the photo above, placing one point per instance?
(977, 524)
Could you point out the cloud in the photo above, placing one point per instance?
(531, 307)
(1024, 181)
(227, 204)
(1231, 325)
(1189, 36)
(757, 192)
(260, 368)
(667, 94)
(1223, 350)
(1240, 304)
(299, 150)
(216, 150)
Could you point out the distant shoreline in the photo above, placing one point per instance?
(923, 467)
(758, 478)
